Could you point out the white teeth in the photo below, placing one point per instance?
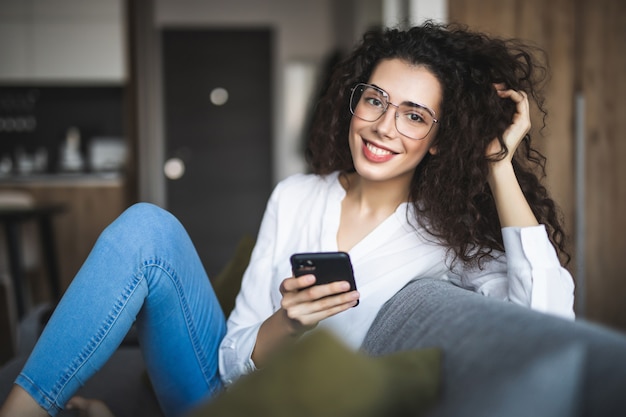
(377, 151)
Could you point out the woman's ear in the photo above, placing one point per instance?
(432, 150)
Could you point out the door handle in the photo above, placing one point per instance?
(174, 168)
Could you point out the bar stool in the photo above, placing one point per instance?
(18, 211)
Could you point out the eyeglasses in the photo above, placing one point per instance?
(369, 103)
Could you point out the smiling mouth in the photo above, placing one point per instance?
(376, 150)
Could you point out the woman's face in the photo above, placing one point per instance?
(379, 151)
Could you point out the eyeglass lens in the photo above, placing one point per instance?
(369, 103)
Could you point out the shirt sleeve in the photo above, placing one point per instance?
(530, 274)
(253, 303)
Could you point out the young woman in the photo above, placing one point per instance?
(417, 173)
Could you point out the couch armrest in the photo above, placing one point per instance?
(499, 357)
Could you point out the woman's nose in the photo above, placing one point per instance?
(386, 124)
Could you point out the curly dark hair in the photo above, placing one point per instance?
(449, 190)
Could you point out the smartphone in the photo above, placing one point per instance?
(326, 266)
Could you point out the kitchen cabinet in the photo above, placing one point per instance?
(91, 203)
(61, 41)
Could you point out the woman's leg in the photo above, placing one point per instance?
(144, 268)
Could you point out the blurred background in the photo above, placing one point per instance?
(200, 106)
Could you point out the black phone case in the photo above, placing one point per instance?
(326, 266)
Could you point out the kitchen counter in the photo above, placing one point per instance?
(64, 179)
(92, 202)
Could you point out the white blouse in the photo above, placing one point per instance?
(303, 215)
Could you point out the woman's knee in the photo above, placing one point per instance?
(146, 212)
(145, 221)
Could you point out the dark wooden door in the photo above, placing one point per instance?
(225, 146)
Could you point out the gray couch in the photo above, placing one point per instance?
(499, 359)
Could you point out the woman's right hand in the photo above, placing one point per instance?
(305, 305)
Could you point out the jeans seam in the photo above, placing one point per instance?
(49, 405)
(96, 340)
(189, 323)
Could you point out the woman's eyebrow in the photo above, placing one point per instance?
(412, 104)
(406, 102)
(381, 89)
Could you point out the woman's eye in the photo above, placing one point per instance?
(374, 101)
(415, 117)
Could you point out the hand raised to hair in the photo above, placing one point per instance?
(520, 125)
(511, 204)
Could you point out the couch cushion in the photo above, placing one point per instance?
(227, 282)
(494, 350)
(320, 377)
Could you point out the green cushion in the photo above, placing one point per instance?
(227, 283)
(319, 376)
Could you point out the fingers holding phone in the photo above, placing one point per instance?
(305, 290)
(307, 307)
(323, 285)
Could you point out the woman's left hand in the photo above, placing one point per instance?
(513, 208)
(519, 127)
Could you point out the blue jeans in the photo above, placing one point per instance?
(143, 269)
